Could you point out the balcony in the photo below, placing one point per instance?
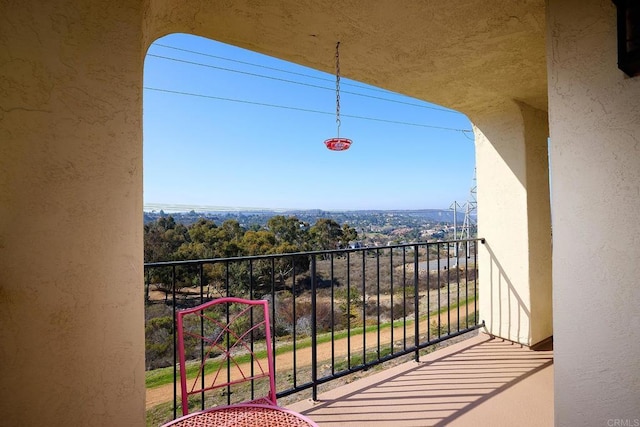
(373, 313)
(481, 381)
(72, 183)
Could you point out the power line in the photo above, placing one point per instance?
(231, 70)
(306, 110)
(261, 66)
(470, 138)
(268, 68)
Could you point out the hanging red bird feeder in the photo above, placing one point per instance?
(337, 143)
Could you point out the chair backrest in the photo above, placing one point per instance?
(226, 353)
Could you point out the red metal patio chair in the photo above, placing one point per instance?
(226, 354)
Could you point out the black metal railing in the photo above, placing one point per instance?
(333, 312)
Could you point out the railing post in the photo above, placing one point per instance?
(475, 282)
(201, 280)
(273, 312)
(378, 300)
(314, 330)
(348, 310)
(251, 344)
(364, 310)
(294, 333)
(438, 295)
(428, 294)
(175, 343)
(391, 296)
(333, 320)
(449, 288)
(416, 298)
(404, 298)
(147, 283)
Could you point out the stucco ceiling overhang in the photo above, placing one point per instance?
(470, 55)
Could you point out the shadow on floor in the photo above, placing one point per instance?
(480, 381)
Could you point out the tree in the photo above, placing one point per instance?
(258, 242)
(289, 230)
(230, 237)
(203, 241)
(162, 240)
(203, 231)
(349, 234)
(285, 267)
(325, 234)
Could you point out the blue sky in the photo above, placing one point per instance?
(206, 150)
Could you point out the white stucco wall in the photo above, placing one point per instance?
(536, 137)
(595, 157)
(71, 289)
(71, 180)
(513, 217)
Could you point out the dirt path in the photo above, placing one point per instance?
(284, 361)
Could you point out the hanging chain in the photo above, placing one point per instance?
(338, 88)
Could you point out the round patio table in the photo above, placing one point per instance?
(244, 415)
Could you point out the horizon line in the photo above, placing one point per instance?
(177, 208)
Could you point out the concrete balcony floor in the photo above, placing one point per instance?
(482, 381)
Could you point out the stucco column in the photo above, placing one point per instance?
(595, 159)
(514, 218)
(71, 289)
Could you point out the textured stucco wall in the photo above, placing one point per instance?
(71, 291)
(463, 55)
(536, 126)
(513, 216)
(71, 166)
(595, 158)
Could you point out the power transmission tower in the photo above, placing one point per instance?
(469, 226)
(454, 206)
